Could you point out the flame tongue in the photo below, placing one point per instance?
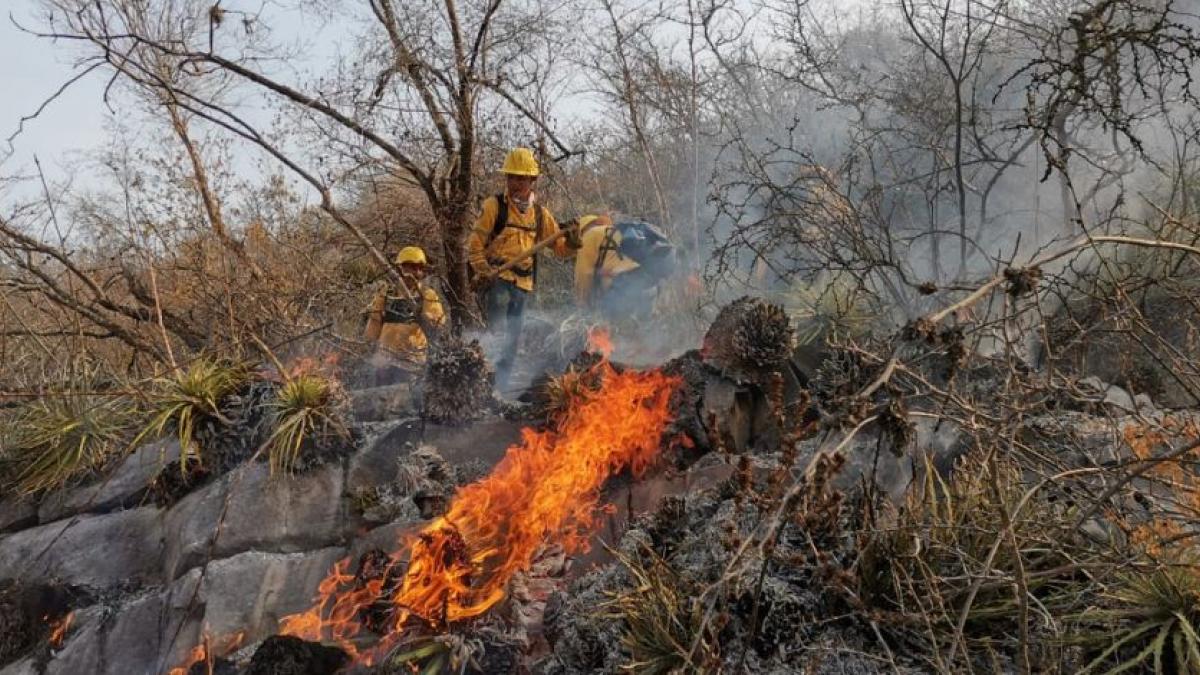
(59, 628)
(545, 490)
(208, 650)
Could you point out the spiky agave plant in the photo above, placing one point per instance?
(59, 438)
(188, 396)
(1151, 623)
(304, 408)
(426, 656)
(837, 307)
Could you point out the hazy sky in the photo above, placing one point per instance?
(31, 69)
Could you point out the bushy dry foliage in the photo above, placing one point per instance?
(1014, 184)
(749, 337)
(458, 381)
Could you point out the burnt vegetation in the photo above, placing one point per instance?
(936, 272)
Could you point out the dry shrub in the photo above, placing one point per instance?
(949, 549)
(836, 307)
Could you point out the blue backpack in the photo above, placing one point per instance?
(642, 243)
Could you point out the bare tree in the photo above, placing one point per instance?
(409, 105)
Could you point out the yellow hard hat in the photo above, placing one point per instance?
(601, 220)
(411, 254)
(520, 162)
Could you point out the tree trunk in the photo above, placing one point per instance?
(455, 221)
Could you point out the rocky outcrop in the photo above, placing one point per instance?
(236, 554)
(124, 487)
(96, 551)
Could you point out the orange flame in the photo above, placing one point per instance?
(545, 490)
(206, 653)
(599, 340)
(58, 630)
(324, 365)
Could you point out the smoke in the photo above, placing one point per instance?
(839, 155)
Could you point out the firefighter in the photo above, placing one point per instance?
(619, 266)
(510, 224)
(401, 321)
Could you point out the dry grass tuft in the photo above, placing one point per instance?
(662, 620)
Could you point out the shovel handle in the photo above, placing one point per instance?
(526, 254)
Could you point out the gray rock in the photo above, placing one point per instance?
(866, 458)
(135, 637)
(253, 591)
(487, 439)
(733, 406)
(190, 525)
(483, 441)
(99, 552)
(139, 638)
(383, 403)
(388, 538)
(375, 464)
(248, 593)
(16, 513)
(121, 488)
(26, 666)
(248, 509)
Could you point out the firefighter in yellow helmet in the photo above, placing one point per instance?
(510, 224)
(619, 266)
(401, 321)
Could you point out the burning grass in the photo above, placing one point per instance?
(546, 490)
(206, 654)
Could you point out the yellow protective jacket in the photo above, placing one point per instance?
(598, 262)
(392, 322)
(519, 235)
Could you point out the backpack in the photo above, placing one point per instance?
(642, 243)
(502, 222)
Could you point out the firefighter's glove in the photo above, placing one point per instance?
(400, 310)
(572, 235)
